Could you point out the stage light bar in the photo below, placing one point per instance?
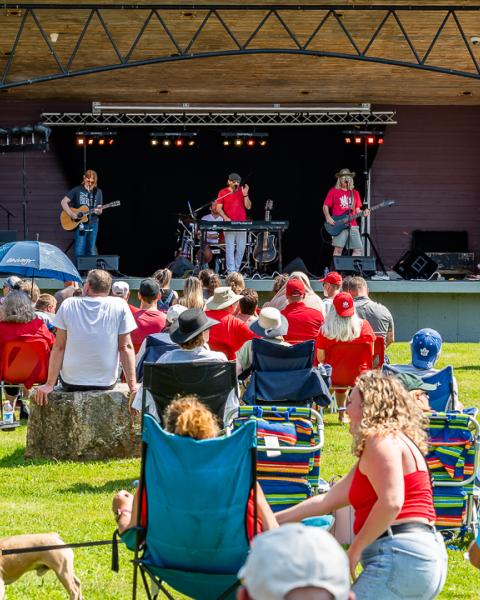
(359, 136)
(173, 138)
(248, 138)
(92, 138)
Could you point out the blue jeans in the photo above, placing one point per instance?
(84, 245)
(407, 566)
(235, 243)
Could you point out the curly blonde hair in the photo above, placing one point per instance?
(388, 409)
(188, 417)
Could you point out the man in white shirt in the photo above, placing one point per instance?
(92, 331)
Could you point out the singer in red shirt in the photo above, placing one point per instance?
(232, 204)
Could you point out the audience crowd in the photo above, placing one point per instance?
(95, 334)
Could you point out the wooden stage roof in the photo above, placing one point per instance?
(285, 52)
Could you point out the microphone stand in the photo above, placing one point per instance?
(9, 214)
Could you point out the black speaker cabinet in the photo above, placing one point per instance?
(355, 265)
(109, 262)
(7, 235)
(415, 264)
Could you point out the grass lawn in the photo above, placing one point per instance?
(74, 499)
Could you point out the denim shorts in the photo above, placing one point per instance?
(406, 566)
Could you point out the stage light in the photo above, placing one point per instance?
(348, 140)
(80, 141)
(153, 142)
(370, 140)
(101, 142)
(357, 139)
(179, 142)
(167, 142)
(250, 142)
(262, 143)
(380, 141)
(226, 142)
(111, 141)
(238, 142)
(191, 143)
(90, 141)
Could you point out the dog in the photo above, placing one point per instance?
(13, 566)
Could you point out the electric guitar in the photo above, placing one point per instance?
(82, 215)
(341, 221)
(265, 250)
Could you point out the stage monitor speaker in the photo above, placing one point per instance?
(357, 265)
(415, 264)
(296, 264)
(108, 262)
(7, 235)
(181, 267)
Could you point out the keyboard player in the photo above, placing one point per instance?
(232, 205)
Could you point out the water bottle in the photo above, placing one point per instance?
(8, 412)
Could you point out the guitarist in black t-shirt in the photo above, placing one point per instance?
(86, 194)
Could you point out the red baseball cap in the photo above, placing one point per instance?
(295, 287)
(333, 277)
(343, 303)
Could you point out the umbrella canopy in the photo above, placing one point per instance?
(36, 259)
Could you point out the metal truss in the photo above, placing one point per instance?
(34, 13)
(219, 118)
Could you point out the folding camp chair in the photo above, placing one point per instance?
(215, 383)
(154, 349)
(289, 472)
(453, 459)
(195, 496)
(286, 374)
(378, 352)
(348, 360)
(24, 363)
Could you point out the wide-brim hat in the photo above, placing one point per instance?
(413, 382)
(270, 323)
(223, 297)
(345, 173)
(190, 324)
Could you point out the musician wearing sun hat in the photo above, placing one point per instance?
(232, 333)
(341, 200)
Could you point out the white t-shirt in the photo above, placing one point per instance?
(93, 325)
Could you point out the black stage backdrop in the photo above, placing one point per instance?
(295, 170)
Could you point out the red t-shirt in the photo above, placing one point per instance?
(304, 322)
(339, 201)
(148, 322)
(229, 335)
(233, 204)
(133, 309)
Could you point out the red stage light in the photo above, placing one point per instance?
(357, 140)
(251, 142)
(179, 142)
(371, 139)
(111, 141)
(380, 141)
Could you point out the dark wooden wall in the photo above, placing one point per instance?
(429, 165)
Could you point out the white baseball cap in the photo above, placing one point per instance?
(295, 556)
(120, 288)
(174, 312)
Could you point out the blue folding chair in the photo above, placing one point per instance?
(286, 374)
(195, 496)
(154, 349)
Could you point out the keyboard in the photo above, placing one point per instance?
(242, 225)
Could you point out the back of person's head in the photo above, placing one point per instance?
(279, 282)
(214, 283)
(235, 281)
(296, 562)
(31, 289)
(46, 303)
(192, 293)
(188, 417)
(425, 346)
(17, 308)
(99, 281)
(303, 277)
(387, 409)
(204, 277)
(248, 302)
(149, 290)
(295, 290)
(11, 283)
(174, 312)
(356, 286)
(78, 293)
(342, 322)
(164, 277)
(120, 289)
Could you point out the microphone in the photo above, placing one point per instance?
(235, 185)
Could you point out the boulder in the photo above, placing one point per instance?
(91, 425)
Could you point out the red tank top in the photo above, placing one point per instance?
(418, 501)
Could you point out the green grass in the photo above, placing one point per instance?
(74, 499)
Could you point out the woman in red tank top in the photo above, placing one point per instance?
(389, 489)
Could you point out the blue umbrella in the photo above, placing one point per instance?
(36, 259)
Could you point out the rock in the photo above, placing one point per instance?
(91, 425)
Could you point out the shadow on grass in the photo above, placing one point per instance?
(468, 368)
(17, 459)
(110, 486)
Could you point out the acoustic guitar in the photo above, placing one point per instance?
(82, 214)
(342, 221)
(265, 250)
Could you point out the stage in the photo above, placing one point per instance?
(451, 307)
